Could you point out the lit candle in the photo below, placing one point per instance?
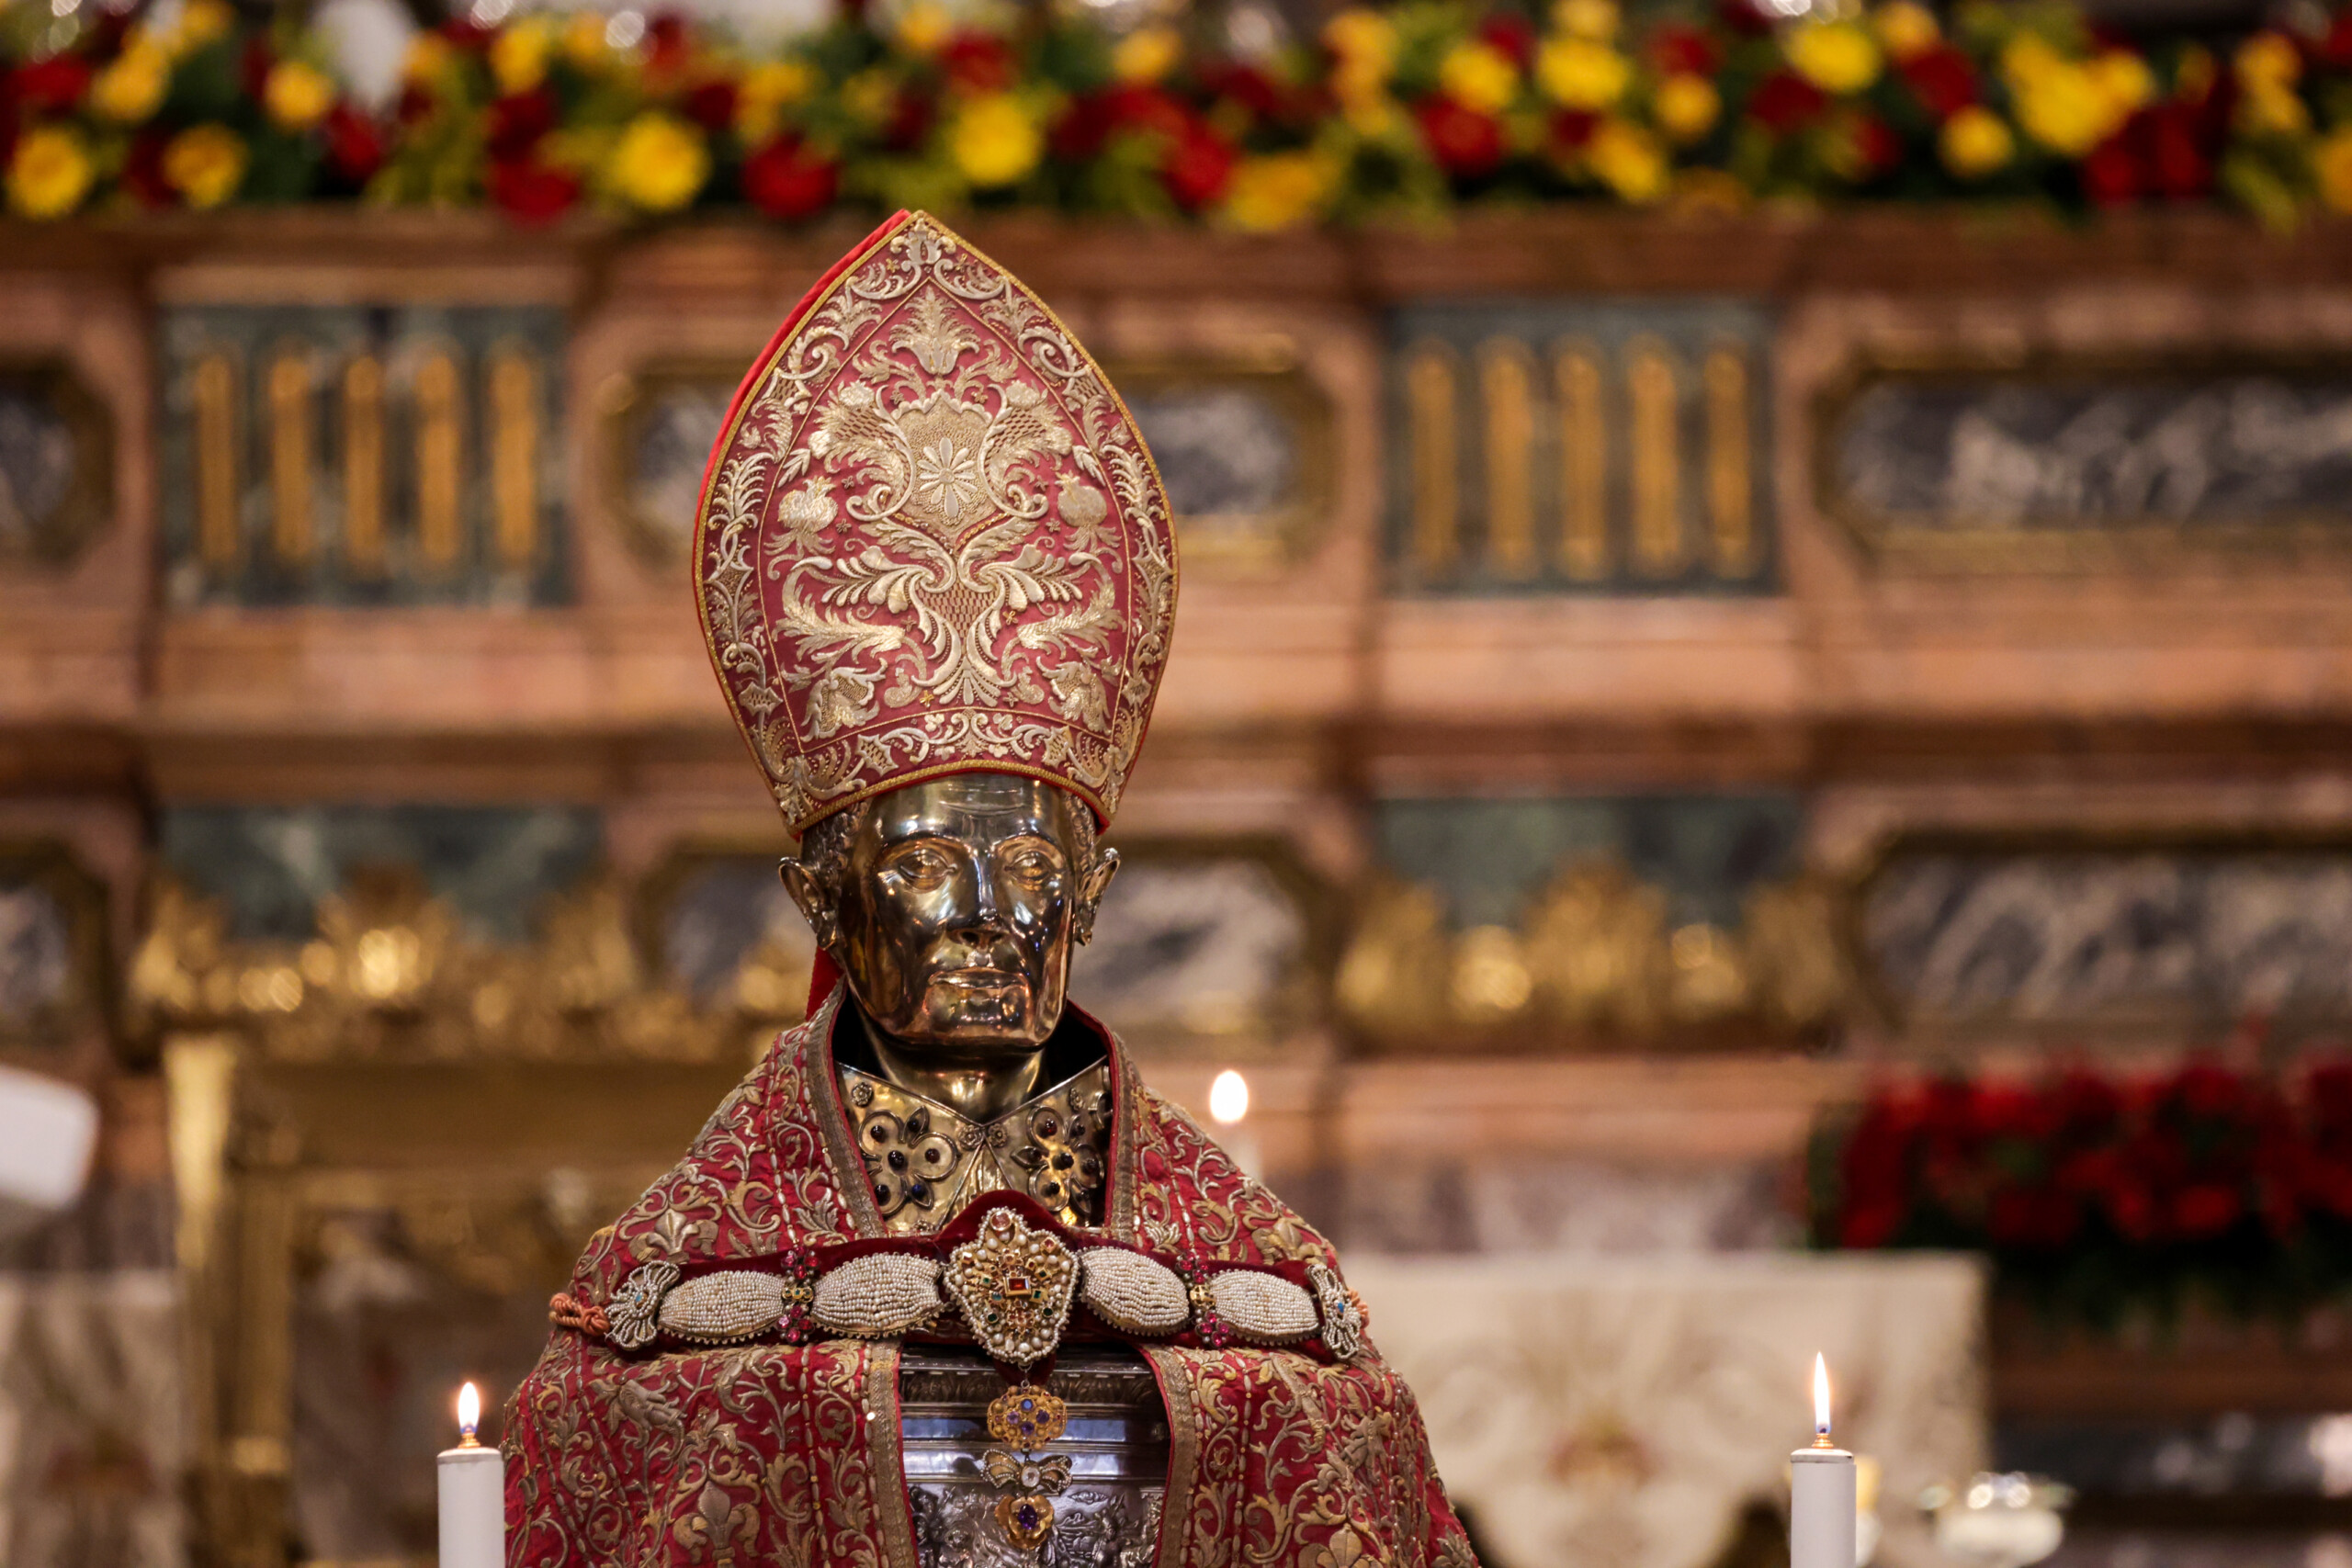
(1821, 1491)
(1228, 1105)
(473, 1494)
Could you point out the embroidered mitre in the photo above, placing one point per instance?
(931, 539)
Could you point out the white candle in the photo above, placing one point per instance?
(473, 1494)
(1821, 1491)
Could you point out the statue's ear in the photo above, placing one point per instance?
(815, 900)
(1091, 889)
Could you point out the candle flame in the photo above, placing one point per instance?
(1230, 1098)
(1820, 1396)
(468, 1410)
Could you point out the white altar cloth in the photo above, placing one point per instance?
(1612, 1413)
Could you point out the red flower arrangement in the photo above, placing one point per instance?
(2100, 1197)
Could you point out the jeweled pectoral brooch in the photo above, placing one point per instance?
(1026, 1417)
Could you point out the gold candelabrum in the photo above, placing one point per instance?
(1596, 960)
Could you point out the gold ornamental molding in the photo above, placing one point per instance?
(388, 975)
(1595, 962)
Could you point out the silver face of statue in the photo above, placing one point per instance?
(953, 922)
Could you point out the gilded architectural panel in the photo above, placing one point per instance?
(1597, 922)
(362, 455)
(1589, 446)
(2058, 461)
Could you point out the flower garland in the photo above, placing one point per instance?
(2101, 1198)
(1411, 110)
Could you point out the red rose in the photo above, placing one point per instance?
(142, 171)
(1571, 128)
(461, 33)
(516, 123)
(1744, 18)
(1198, 164)
(2209, 1091)
(51, 85)
(1512, 34)
(786, 179)
(909, 122)
(711, 104)
(666, 43)
(2132, 1209)
(1465, 143)
(1243, 84)
(1784, 101)
(2206, 1209)
(1139, 107)
(530, 192)
(1683, 51)
(355, 146)
(2337, 48)
(1869, 1226)
(978, 64)
(1941, 79)
(1083, 127)
(2111, 175)
(254, 66)
(414, 104)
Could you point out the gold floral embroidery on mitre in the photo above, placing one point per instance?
(931, 539)
(926, 1162)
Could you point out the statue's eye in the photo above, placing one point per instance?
(1032, 865)
(923, 868)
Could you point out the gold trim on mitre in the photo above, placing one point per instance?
(932, 540)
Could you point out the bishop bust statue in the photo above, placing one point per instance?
(942, 1284)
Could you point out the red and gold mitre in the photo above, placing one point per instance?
(931, 539)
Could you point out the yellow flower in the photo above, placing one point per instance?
(1478, 76)
(49, 172)
(1975, 142)
(2124, 80)
(2063, 109)
(1906, 29)
(871, 96)
(2270, 110)
(584, 40)
(1687, 106)
(766, 88)
(1357, 34)
(2332, 161)
(1275, 190)
(428, 58)
(2267, 59)
(1147, 54)
(205, 164)
(923, 28)
(1578, 73)
(201, 23)
(2028, 58)
(1837, 57)
(994, 140)
(296, 96)
(1594, 19)
(131, 89)
(519, 54)
(659, 162)
(1628, 161)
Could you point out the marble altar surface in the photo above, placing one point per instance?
(1620, 1412)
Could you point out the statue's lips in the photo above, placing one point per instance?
(980, 980)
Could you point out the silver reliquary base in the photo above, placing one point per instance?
(1105, 1512)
